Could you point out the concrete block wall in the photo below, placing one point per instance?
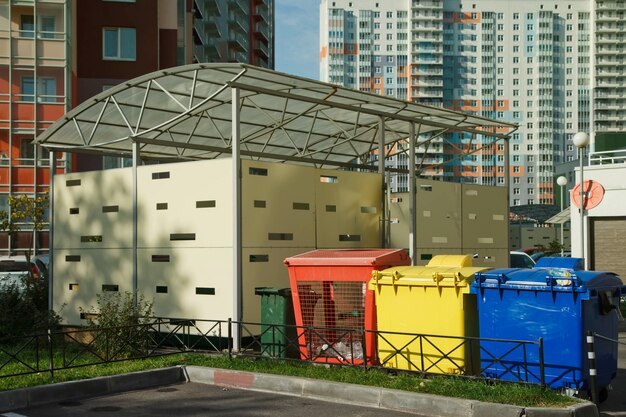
(185, 225)
(453, 218)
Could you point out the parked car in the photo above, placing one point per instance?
(521, 260)
(14, 269)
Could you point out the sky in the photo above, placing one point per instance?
(297, 37)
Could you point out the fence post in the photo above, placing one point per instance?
(364, 349)
(230, 336)
(50, 356)
(593, 375)
(542, 369)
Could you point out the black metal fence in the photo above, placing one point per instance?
(423, 354)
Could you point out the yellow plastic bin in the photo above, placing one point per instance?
(434, 302)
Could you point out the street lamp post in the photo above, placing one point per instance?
(562, 182)
(581, 140)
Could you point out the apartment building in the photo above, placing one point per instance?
(234, 31)
(55, 54)
(542, 64)
(35, 90)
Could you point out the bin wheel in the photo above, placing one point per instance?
(603, 395)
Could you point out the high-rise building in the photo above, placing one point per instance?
(55, 54)
(234, 31)
(35, 90)
(542, 64)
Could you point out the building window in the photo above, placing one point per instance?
(120, 44)
(27, 26)
(27, 89)
(46, 27)
(27, 149)
(46, 90)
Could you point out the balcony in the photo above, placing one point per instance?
(213, 8)
(262, 14)
(262, 49)
(197, 11)
(235, 24)
(239, 7)
(239, 42)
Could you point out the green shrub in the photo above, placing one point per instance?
(120, 327)
(24, 308)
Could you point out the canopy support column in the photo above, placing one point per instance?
(237, 313)
(381, 171)
(412, 197)
(135, 161)
(52, 163)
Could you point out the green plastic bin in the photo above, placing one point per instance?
(278, 331)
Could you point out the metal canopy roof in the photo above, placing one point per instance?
(561, 217)
(185, 113)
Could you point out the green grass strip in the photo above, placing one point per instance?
(496, 392)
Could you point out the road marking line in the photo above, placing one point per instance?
(12, 415)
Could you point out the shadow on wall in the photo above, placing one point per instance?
(93, 235)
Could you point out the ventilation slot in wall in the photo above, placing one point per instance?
(396, 199)
(259, 258)
(161, 206)
(72, 183)
(331, 208)
(182, 236)
(349, 238)
(260, 203)
(329, 179)
(73, 286)
(368, 210)
(300, 206)
(161, 289)
(257, 171)
(280, 236)
(72, 258)
(110, 209)
(426, 256)
(88, 316)
(110, 288)
(74, 210)
(205, 204)
(426, 187)
(160, 175)
(91, 239)
(160, 258)
(205, 291)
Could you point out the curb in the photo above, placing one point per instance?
(76, 390)
(383, 398)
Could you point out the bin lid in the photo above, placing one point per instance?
(544, 278)
(555, 262)
(441, 271)
(350, 257)
(283, 292)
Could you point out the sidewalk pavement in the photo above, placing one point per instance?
(387, 399)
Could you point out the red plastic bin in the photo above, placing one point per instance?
(330, 298)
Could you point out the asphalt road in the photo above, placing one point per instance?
(195, 400)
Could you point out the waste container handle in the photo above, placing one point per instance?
(439, 276)
(500, 277)
(571, 277)
(377, 275)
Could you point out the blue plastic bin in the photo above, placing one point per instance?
(557, 304)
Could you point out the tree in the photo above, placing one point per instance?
(554, 247)
(25, 210)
